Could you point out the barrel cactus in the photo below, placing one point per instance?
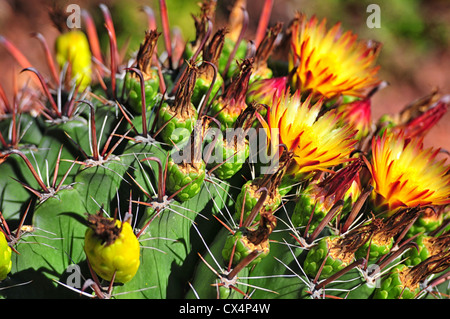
(235, 168)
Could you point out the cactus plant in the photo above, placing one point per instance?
(105, 193)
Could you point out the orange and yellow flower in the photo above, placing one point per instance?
(330, 62)
(404, 174)
(318, 142)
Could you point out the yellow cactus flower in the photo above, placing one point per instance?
(319, 142)
(330, 62)
(404, 174)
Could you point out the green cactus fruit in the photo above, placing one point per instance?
(233, 66)
(383, 237)
(186, 170)
(112, 248)
(427, 246)
(377, 247)
(263, 52)
(335, 252)
(226, 115)
(320, 196)
(233, 157)
(177, 116)
(328, 254)
(187, 175)
(133, 89)
(242, 248)
(207, 72)
(176, 129)
(246, 241)
(404, 282)
(427, 222)
(415, 256)
(203, 85)
(304, 208)
(250, 192)
(395, 286)
(5, 257)
(150, 77)
(228, 153)
(228, 106)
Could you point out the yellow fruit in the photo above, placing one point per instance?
(73, 47)
(118, 255)
(5, 257)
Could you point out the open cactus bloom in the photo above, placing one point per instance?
(263, 90)
(330, 63)
(405, 174)
(240, 163)
(319, 142)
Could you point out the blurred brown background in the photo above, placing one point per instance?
(415, 34)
